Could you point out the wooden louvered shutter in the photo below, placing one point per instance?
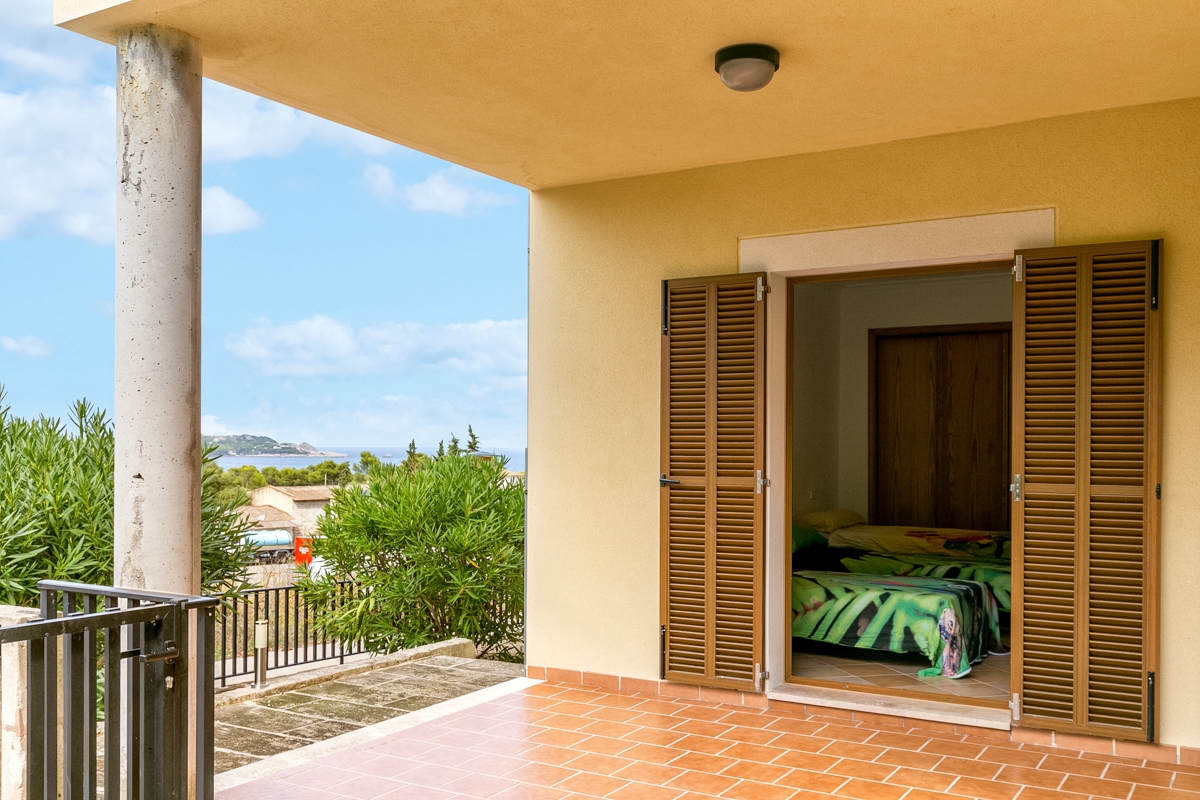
(711, 496)
(1086, 333)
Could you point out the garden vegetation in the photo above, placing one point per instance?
(56, 508)
(435, 547)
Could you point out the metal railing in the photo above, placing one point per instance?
(156, 711)
(292, 637)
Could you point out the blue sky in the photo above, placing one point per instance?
(355, 292)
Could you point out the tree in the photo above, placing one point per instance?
(56, 508)
(326, 473)
(437, 552)
(366, 460)
(472, 441)
(441, 451)
(414, 460)
(454, 448)
(236, 483)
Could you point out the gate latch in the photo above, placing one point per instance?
(168, 655)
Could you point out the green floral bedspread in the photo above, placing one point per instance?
(996, 573)
(953, 623)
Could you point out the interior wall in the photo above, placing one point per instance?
(815, 386)
(599, 251)
(953, 299)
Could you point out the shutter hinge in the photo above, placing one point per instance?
(760, 677)
(1018, 269)
(1015, 488)
(1150, 707)
(1014, 705)
(662, 652)
(665, 318)
(760, 482)
(761, 289)
(1158, 491)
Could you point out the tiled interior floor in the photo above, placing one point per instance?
(559, 742)
(989, 679)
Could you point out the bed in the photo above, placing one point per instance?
(953, 623)
(994, 572)
(911, 540)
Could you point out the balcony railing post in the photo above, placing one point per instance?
(50, 724)
(112, 710)
(154, 743)
(205, 735)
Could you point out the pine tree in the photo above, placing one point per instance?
(455, 450)
(413, 460)
(441, 453)
(472, 441)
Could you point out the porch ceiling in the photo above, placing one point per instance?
(555, 92)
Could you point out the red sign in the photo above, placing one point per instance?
(303, 551)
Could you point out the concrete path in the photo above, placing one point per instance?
(250, 731)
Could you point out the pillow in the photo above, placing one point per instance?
(806, 537)
(831, 520)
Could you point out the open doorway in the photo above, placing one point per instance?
(900, 443)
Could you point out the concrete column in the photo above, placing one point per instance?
(157, 412)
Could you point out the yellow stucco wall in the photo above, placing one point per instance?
(598, 252)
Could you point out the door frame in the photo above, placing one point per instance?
(784, 633)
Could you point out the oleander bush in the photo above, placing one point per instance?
(436, 550)
(56, 508)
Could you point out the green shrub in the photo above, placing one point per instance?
(56, 508)
(436, 551)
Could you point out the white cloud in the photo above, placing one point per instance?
(443, 192)
(240, 125)
(28, 346)
(226, 213)
(211, 426)
(381, 182)
(29, 60)
(57, 161)
(31, 45)
(321, 346)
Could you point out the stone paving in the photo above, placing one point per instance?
(567, 742)
(250, 731)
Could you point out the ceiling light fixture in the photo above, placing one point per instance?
(747, 67)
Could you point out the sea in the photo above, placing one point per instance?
(394, 455)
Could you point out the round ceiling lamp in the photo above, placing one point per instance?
(747, 67)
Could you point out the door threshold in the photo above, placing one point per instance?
(932, 710)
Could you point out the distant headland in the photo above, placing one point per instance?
(259, 446)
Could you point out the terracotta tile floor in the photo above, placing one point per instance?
(553, 741)
(989, 679)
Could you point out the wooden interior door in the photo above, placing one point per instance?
(1086, 332)
(711, 494)
(940, 426)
